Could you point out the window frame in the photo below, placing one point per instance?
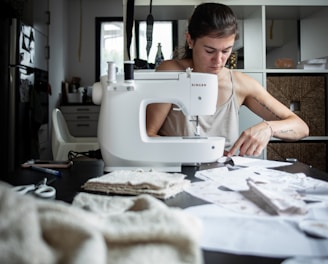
(174, 34)
(99, 21)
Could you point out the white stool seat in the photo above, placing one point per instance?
(62, 140)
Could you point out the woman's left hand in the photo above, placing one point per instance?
(252, 141)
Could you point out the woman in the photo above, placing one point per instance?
(211, 35)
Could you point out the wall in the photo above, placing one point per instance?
(83, 65)
(286, 46)
(315, 36)
(58, 62)
(64, 40)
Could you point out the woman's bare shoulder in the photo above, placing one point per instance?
(246, 86)
(245, 82)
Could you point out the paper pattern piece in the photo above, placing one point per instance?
(273, 236)
(281, 200)
(220, 181)
(254, 162)
(258, 211)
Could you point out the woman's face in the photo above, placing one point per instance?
(210, 54)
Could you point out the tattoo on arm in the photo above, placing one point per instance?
(286, 131)
(266, 108)
(282, 132)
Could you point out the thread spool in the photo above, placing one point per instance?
(128, 70)
(111, 72)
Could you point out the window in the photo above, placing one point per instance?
(110, 34)
(109, 44)
(164, 32)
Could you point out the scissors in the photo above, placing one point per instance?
(41, 189)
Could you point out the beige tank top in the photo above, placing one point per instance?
(223, 123)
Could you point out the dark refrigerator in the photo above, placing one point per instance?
(24, 92)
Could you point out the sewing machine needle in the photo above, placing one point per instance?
(197, 132)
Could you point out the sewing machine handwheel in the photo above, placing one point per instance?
(97, 93)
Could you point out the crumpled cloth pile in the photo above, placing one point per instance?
(161, 185)
(95, 229)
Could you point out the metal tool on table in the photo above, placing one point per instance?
(122, 135)
(41, 189)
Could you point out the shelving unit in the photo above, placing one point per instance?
(270, 30)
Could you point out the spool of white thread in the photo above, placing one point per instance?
(112, 69)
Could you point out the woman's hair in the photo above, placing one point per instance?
(210, 19)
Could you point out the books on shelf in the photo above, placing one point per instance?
(314, 64)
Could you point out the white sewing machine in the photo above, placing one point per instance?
(122, 135)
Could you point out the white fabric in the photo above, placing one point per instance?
(112, 230)
(159, 184)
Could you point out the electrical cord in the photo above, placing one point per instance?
(93, 154)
